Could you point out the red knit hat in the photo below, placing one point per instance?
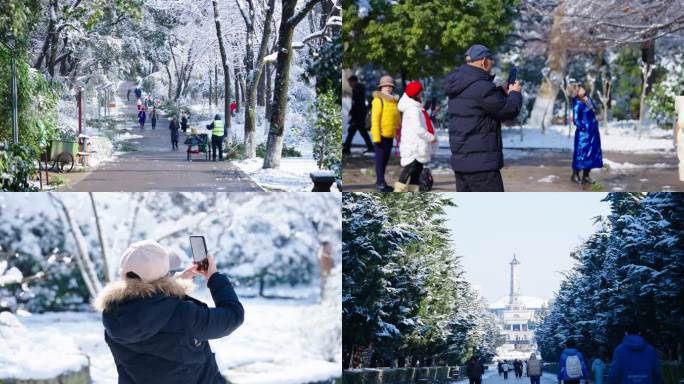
(413, 88)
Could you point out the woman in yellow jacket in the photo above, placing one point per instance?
(385, 120)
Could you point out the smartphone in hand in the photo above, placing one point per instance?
(199, 252)
(512, 76)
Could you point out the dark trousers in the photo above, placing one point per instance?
(489, 181)
(475, 380)
(411, 173)
(361, 128)
(174, 140)
(217, 146)
(154, 123)
(505, 375)
(383, 150)
(534, 379)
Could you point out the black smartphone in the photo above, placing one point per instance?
(512, 75)
(199, 252)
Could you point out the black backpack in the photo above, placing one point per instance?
(426, 180)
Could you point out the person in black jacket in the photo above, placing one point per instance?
(174, 127)
(476, 109)
(357, 116)
(155, 331)
(474, 370)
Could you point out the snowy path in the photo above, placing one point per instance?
(270, 347)
(491, 376)
(152, 166)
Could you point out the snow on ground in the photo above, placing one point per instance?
(619, 136)
(29, 353)
(292, 176)
(270, 347)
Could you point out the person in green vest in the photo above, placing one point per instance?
(217, 129)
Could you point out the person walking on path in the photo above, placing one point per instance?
(173, 127)
(128, 95)
(679, 132)
(534, 369)
(598, 368)
(141, 118)
(572, 367)
(385, 120)
(634, 361)
(506, 367)
(499, 367)
(587, 149)
(156, 332)
(474, 370)
(417, 134)
(217, 134)
(476, 109)
(357, 116)
(138, 92)
(184, 122)
(153, 117)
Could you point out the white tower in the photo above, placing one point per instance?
(515, 286)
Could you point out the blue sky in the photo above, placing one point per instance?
(541, 228)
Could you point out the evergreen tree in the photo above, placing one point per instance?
(418, 38)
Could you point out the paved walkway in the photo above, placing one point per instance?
(152, 166)
(491, 376)
(535, 170)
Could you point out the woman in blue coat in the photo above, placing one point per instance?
(155, 331)
(587, 152)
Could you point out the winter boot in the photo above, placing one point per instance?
(575, 177)
(586, 179)
(414, 188)
(401, 187)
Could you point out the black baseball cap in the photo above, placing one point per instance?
(479, 52)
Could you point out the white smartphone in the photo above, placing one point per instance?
(199, 252)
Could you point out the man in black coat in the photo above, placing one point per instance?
(156, 332)
(476, 109)
(357, 116)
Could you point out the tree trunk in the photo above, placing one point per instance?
(542, 112)
(226, 70)
(101, 239)
(86, 267)
(648, 59)
(236, 81)
(268, 91)
(168, 73)
(288, 22)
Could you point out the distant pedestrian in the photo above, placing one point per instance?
(357, 116)
(534, 369)
(598, 368)
(385, 120)
(173, 127)
(233, 107)
(587, 149)
(572, 367)
(506, 367)
(128, 95)
(518, 368)
(217, 134)
(153, 117)
(138, 92)
(634, 361)
(184, 122)
(474, 370)
(679, 132)
(499, 367)
(141, 118)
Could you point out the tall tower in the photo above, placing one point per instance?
(515, 286)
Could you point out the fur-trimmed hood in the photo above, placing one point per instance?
(386, 97)
(129, 289)
(134, 311)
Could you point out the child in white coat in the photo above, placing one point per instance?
(417, 134)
